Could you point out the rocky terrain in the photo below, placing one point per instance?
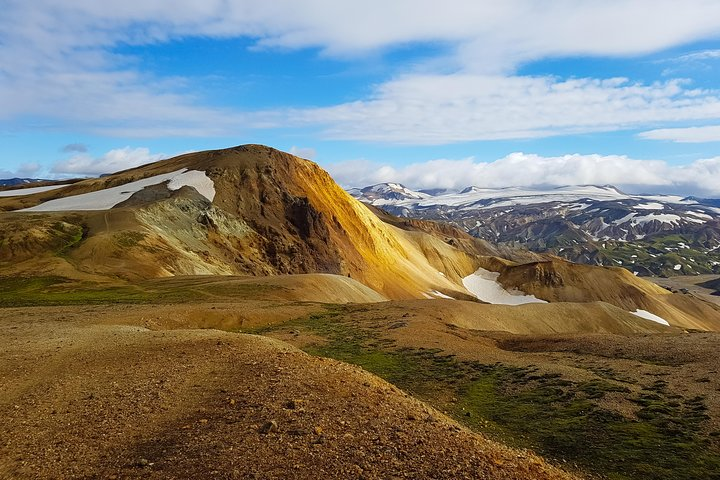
(647, 234)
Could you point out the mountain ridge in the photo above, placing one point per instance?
(597, 225)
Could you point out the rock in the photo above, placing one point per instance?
(268, 427)
(143, 462)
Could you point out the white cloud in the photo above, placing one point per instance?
(57, 62)
(701, 177)
(699, 56)
(440, 109)
(710, 133)
(26, 170)
(113, 161)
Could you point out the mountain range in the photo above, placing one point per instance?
(597, 225)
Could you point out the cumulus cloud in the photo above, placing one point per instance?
(701, 177)
(113, 161)
(710, 133)
(26, 170)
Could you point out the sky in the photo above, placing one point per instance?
(426, 93)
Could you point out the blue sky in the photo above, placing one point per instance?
(522, 93)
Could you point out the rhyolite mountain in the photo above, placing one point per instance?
(253, 210)
(596, 225)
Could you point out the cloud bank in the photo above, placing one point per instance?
(440, 109)
(701, 177)
(58, 63)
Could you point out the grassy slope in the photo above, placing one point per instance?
(524, 406)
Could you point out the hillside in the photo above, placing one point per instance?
(263, 212)
(558, 280)
(204, 403)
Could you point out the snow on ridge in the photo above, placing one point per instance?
(661, 217)
(484, 285)
(700, 215)
(196, 179)
(109, 197)
(650, 206)
(30, 191)
(650, 316)
(438, 294)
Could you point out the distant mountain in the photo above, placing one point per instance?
(13, 182)
(384, 193)
(601, 225)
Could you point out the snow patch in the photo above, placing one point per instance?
(109, 197)
(650, 316)
(650, 206)
(484, 285)
(30, 191)
(440, 295)
(196, 179)
(660, 217)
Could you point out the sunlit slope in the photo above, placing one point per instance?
(271, 213)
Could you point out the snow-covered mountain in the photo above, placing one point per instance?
(648, 234)
(387, 193)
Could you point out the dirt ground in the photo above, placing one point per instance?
(84, 394)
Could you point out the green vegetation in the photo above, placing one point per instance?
(53, 290)
(19, 291)
(659, 255)
(522, 406)
(69, 236)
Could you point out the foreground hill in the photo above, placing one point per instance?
(597, 225)
(118, 401)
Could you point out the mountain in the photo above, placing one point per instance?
(246, 210)
(387, 192)
(13, 182)
(597, 225)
